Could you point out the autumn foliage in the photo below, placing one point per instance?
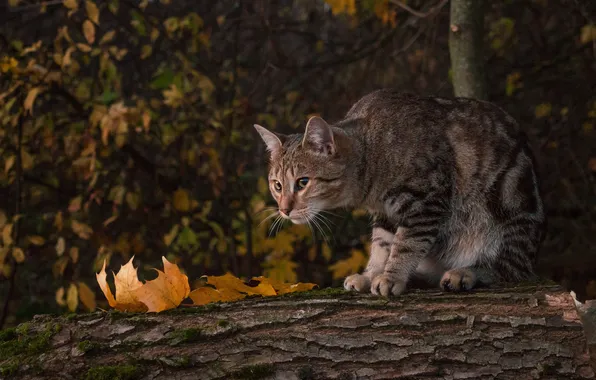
(126, 130)
(171, 287)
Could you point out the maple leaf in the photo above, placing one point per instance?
(126, 283)
(165, 292)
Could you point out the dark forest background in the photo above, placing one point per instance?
(126, 129)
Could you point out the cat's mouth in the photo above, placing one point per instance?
(297, 216)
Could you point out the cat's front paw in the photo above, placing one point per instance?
(456, 280)
(357, 282)
(384, 285)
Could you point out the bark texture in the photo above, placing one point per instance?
(531, 332)
(466, 41)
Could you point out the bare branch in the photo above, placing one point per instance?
(431, 12)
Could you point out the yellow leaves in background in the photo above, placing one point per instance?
(181, 200)
(76, 292)
(353, 264)
(342, 6)
(89, 31)
(92, 11)
(171, 287)
(173, 97)
(543, 110)
(588, 34)
(30, 99)
(82, 230)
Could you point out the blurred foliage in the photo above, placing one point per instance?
(126, 129)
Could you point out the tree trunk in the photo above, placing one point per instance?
(530, 332)
(466, 40)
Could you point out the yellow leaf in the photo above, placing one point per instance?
(588, 33)
(36, 240)
(353, 264)
(543, 110)
(92, 11)
(18, 254)
(229, 281)
(89, 31)
(126, 283)
(146, 51)
(67, 59)
(71, 4)
(167, 291)
(132, 200)
(60, 246)
(75, 204)
(109, 220)
(72, 297)
(7, 234)
(60, 296)
(283, 288)
(173, 97)
(9, 163)
(3, 219)
(86, 296)
(281, 269)
(30, 99)
(205, 295)
(81, 229)
(26, 160)
(107, 37)
(73, 252)
(84, 47)
(170, 236)
(181, 200)
(59, 221)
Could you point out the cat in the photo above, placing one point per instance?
(450, 185)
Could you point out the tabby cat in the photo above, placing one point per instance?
(450, 184)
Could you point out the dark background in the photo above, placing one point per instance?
(136, 137)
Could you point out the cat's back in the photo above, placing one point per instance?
(389, 111)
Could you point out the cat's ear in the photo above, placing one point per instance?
(273, 141)
(318, 136)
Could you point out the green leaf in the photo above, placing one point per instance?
(162, 80)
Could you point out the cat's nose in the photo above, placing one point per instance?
(285, 211)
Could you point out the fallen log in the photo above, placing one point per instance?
(523, 332)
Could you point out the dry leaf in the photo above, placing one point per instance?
(92, 11)
(60, 296)
(81, 229)
(60, 246)
(86, 296)
(89, 31)
(72, 297)
(30, 99)
(18, 254)
(36, 240)
(126, 282)
(230, 288)
(205, 295)
(7, 234)
(181, 200)
(167, 291)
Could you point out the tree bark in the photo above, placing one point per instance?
(530, 332)
(466, 41)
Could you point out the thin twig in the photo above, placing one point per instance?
(431, 12)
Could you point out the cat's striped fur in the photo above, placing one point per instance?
(450, 184)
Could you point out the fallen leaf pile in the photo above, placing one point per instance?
(171, 287)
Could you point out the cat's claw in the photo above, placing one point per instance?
(357, 282)
(457, 280)
(385, 286)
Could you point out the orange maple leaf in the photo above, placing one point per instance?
(165, 292)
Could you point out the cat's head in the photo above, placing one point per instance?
(308, 172)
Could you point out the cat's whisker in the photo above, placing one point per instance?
(274, 224)
(267, 218)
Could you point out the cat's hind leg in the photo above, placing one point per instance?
(379, 252)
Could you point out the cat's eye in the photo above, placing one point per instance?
(301, 183)
(277, 186)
